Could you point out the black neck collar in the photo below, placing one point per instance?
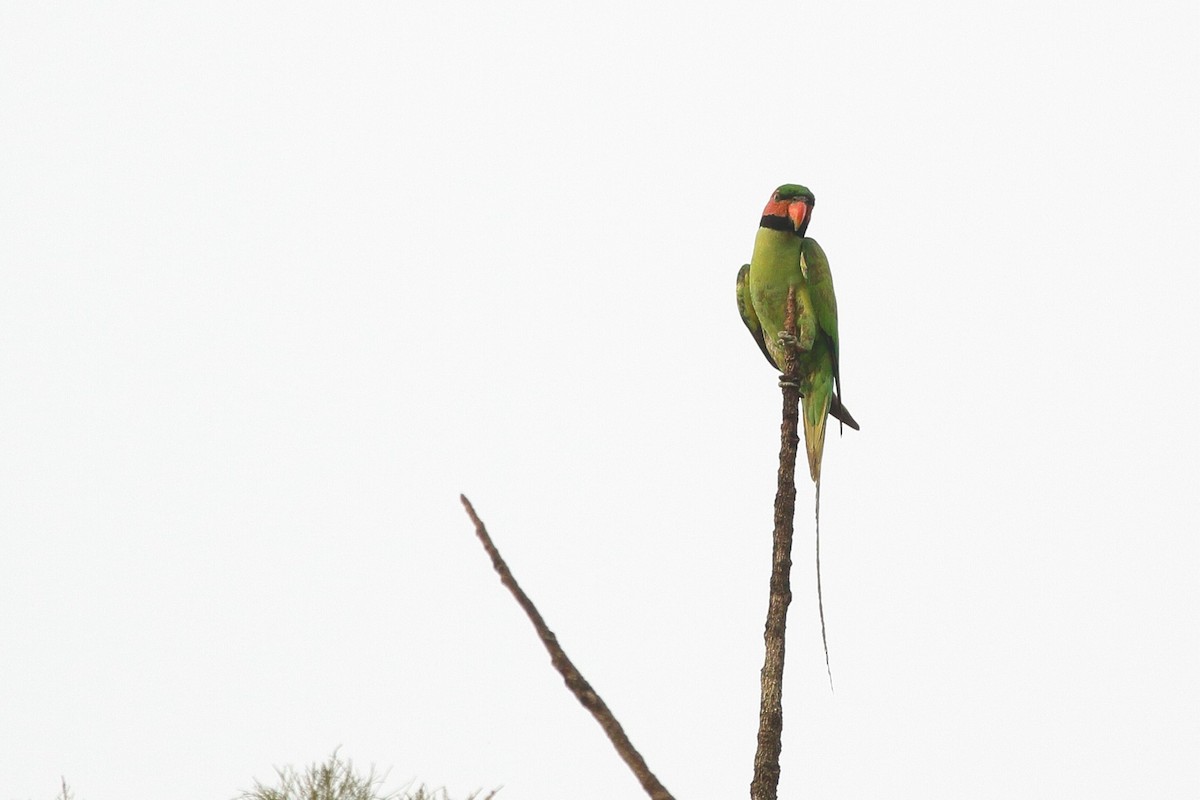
(777, 224)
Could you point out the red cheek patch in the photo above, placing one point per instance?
(776, 208)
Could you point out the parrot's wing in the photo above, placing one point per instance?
(815, 267)
(746, 309)
(841, 413)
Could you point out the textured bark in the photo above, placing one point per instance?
(574, 680)
(765, 783)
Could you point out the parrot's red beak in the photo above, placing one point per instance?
(797, 211)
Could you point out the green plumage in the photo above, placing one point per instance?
(784, 258)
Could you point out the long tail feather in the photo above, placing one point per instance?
(820, 600)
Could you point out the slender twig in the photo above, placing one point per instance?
(765, 783)
(582, 690)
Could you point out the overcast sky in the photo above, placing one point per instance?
(281, 280)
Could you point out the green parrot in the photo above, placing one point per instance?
(785, 258)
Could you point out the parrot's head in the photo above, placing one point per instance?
(789, 209)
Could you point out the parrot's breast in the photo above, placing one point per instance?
(774, 268)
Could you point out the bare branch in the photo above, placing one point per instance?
(765, 783)
(575, 682)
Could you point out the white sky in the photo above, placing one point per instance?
(281, 280)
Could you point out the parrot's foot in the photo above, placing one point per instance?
(788, 343)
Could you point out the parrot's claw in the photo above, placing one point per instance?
(785, 382)
(787, 340)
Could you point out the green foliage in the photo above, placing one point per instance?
(337, 780)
